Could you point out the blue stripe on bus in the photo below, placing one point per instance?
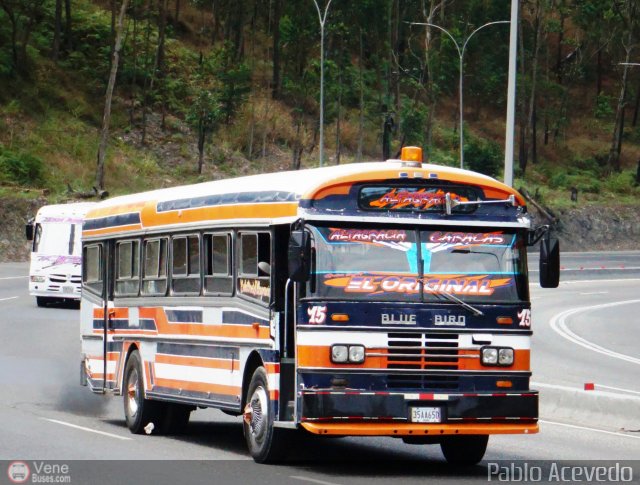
(193, 350)
(111, 221)
(240, 318)
(184, 316)
(202, 396)
(226, 199)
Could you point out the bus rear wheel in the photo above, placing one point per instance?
(466, 450)
(265, 443)
(138, 411)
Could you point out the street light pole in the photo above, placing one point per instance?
(461, 52)
(322, 17)
(511, 96)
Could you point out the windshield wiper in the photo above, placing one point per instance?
(452, 298)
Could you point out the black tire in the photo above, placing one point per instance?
(138, 411)
(266, 444)
(465, 450)
(175, 418)
(42, 301)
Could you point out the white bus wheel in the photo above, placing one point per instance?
(265, 443)
(139, 412)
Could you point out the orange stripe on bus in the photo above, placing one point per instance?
(320, 356)
(226, 364)
(227, 331)
(403, 429)
(272, 368)
(496, 187)
(119, 312)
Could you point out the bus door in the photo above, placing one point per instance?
(97, 311)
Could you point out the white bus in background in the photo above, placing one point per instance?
(56, 252)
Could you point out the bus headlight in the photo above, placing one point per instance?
(356, 354)
(505, 356)
(502, 356)
(489, 356)
(343, 354)
(37, 279)
(339, 354)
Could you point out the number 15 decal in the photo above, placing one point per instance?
(525, 318)
(317, 314)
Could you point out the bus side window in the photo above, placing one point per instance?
(154, 276)
(218, 279)
(128, 268)
(92, 276)
(185, 264)
(252, 281)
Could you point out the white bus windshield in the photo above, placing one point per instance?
(54, 238)
(381, 264)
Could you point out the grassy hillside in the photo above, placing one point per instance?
(51, 112)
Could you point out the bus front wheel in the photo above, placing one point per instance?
(138, 411)
(466, 450)
(265, 443)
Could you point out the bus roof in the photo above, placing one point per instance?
(271, 197)
(75, 211)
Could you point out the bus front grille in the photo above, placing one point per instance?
(423, 351)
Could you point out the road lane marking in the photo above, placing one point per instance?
(585, 428)
(617, 280)
(312, 480)
(75, 426)
(559, 324)
(595, 393)
(594, 293)
(9, 298)
(618, 389)
(13, 277)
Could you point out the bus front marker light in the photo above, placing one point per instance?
(356, 354)
(505, 356)
(489, 356)
(339, 354)
(37, 279)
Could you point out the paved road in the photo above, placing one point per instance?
(581, 337)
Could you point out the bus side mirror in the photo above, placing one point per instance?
(549, 263)
(29, 229)
(299, 256)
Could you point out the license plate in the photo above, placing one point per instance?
(67, 289)
(426, 415)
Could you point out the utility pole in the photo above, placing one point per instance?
(322, 18)
(511, 96)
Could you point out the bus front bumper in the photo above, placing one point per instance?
(416, 430)
(352, 412)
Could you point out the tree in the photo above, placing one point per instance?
(57, 30)
(218, 88)
(23, 16)
(627, 11)
(106, 118)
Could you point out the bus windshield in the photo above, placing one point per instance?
(58, 239)
(382, 264)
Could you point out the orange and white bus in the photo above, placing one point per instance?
(371, 299)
